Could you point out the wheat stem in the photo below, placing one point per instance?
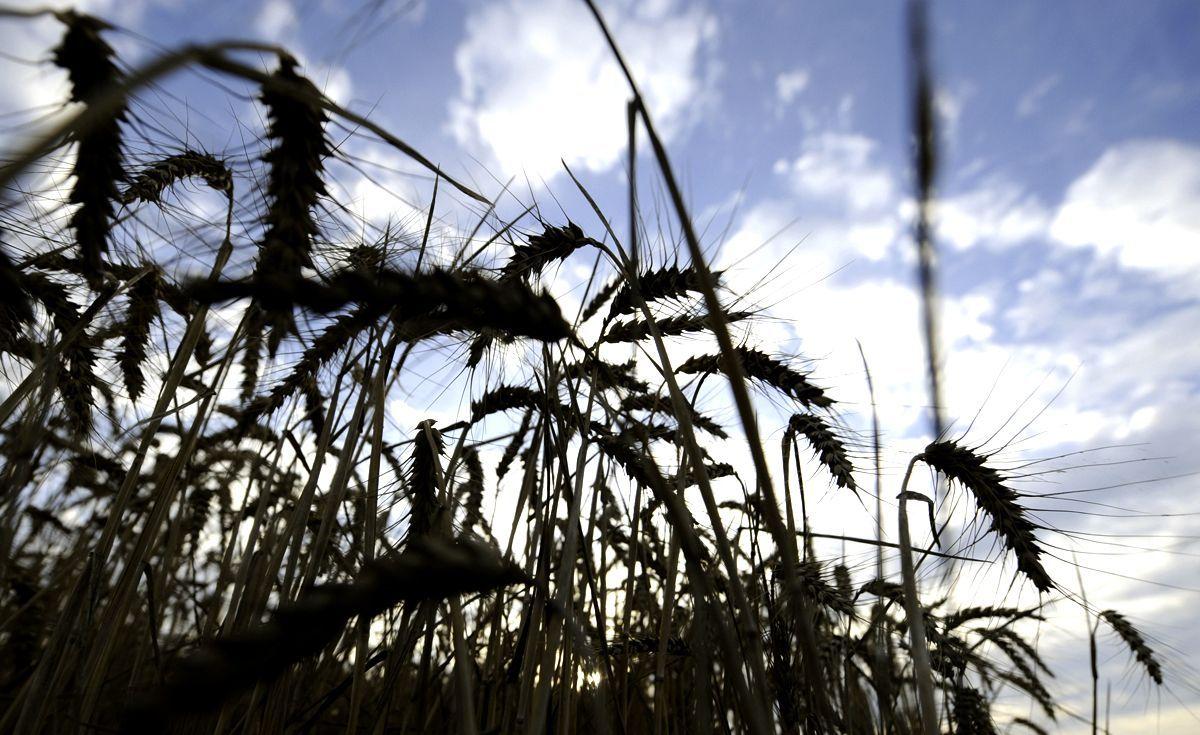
(916, 615)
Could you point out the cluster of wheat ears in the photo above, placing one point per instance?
(203, 532)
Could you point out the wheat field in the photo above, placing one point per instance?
(213, 522)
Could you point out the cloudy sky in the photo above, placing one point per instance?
(1068, 221)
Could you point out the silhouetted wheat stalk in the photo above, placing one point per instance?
(296, 163)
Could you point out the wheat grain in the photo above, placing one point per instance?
(997, 500)
(1137, 644)
(829, 449)
(555, 243)
(150, 183)
(98, 167)
(762, 367)
(671, 282)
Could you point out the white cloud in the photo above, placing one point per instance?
(334, 81)
(840, 168)
(1031, 101)
(994, 380)
(277, 20)
(825, 316)
(790, 84)
(539, 84)
(33, 89)
(28, 87)
(843, 193)
(846, 204)
(396, 196)
(949, 108)
(997, 213)
(1140, 203)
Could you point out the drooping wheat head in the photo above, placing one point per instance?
(829, 449)
(1008, 517)
(760, 366)
(1136, 643)
(149, 184)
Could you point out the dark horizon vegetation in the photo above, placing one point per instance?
(212, 523)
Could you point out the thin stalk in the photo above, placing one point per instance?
(925, 162)
(1092, 629)
(370, 521)
(122, 598)
(664, 634)
(916, 616)
(463, 664)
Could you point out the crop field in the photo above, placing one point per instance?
(216, 520)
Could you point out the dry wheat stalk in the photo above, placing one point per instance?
(599, 300)
(971, 716)
(294, 186)
(15, 307)
(555, 243)
(429, 569)
(505, 398)
(1033, 727)
(635, 330)
(303, 539)
(141, 312)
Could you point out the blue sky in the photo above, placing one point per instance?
(1068, 223)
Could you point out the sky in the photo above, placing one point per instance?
(1067, 222)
